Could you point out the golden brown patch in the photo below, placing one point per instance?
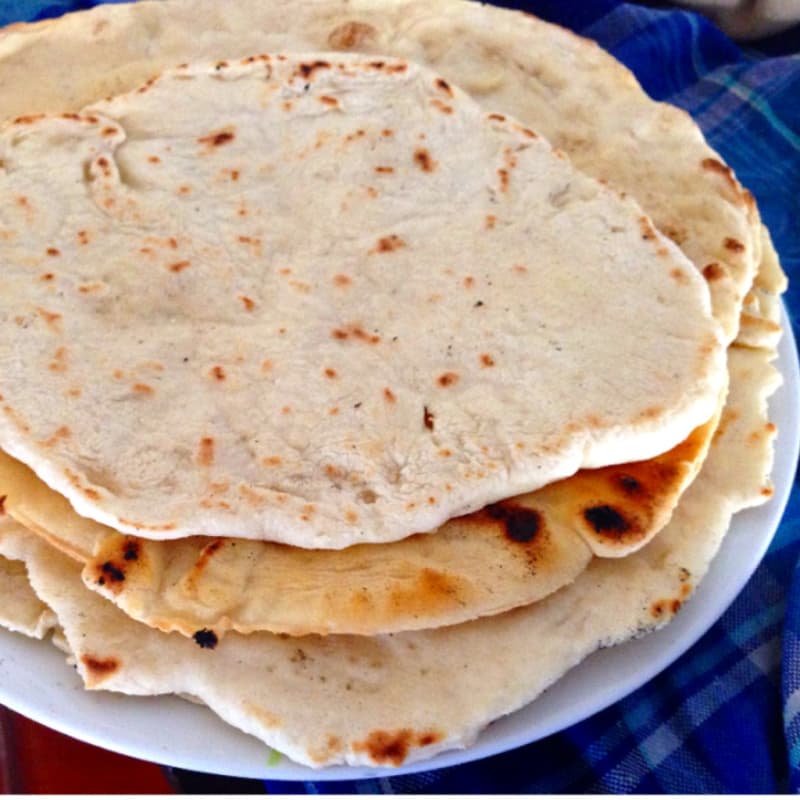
(218, 373)
(447, 379)
(388, 244)
(331, 102)
(330, 373)
(490, 221)
(384, 170)
(47, 276)
(154, 159)
(272, 461)
(351, 516)
(351, 35)
(99, 669)
(143, 388)
(205, 451)
(53, 251)
(357, 134)
(497, 117)
(422, 158)
(179, 266)
(734, 245)
(767, 491)
(392, 747)
(486, 360)
(389, 395)
(247, 302)
(217, 139)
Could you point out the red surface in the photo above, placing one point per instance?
(35, 759)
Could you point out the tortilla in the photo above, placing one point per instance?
(20, 608)
(387, 700)
(513, 553)
(563, 86)
(364, 325)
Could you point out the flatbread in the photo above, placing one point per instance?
(363, 324)
(513, 553)
(20, 609)
(565, 87)
(388, 700)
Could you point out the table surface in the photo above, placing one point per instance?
(37, 760)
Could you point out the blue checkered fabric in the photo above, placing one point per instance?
(726, 716)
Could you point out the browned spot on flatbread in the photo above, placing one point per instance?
(180, 266)
(679, 276)
(734, 245)
(447, 379)
(205, 451)
(307, 69)
(427, 418)
(217, 139)
(423, 160)
(63, 432)
(217, 373)
(388, 244)
(3, 503)
(647, 230)
(351, 35)
(716, 166)
(355, 332)
(392, 747)
(98, 668)
(325, 753)
(441, 106)
(52, 319)
(713, 271)
(389, 395)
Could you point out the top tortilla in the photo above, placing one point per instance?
(347, 304)
(565, 87)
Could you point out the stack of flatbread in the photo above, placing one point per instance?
(350, 350)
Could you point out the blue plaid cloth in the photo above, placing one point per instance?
(726, 716)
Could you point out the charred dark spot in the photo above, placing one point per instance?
(427, 418)
(629, 484)
(131, 550)
(205, 638)
(606, 519)
(112, 572)
(521, 524)
(3, 503)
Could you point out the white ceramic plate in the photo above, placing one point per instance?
(35, 681)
